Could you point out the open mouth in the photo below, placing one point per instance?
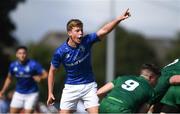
(80, 37)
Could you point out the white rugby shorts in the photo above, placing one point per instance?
(73, 93)
(26, 101)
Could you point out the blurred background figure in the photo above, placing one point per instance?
(5, 102)
(4, 105)
(27, 73)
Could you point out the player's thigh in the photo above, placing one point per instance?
(90, 99)
(15, 110)
(31, 101)
(70, 97)
(17, 101)
(93, 110)
(28, 111)
(66, 111)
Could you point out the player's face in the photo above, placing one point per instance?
(150, 76)
(21, 55)
(76, 34)
(153, 80)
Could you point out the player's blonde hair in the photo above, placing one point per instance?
(74, 23)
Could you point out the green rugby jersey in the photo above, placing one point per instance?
(131, 91)
(163, 82)
(172, 96)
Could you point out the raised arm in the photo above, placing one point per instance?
(51, 75)
(111, 25)
(175, 79)
(107, 87)
(6, 85)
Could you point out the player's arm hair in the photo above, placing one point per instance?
(175, 79)
(104, 89)
(7, 83)
(101, 33)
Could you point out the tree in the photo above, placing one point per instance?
(6, 37)
(132, 50)
(174, 53)
(6, 25)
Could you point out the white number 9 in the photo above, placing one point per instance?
(130, 85)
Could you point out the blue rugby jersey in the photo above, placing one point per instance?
(23, 73)
(77, 61)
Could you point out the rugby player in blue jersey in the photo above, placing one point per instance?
(75, 55)
(27, 73)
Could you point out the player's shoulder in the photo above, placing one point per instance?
(14, 63)
(175, 63)
(126, 77)
(62, 47)
(90, 35)
(32, 62)
(130, 76)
